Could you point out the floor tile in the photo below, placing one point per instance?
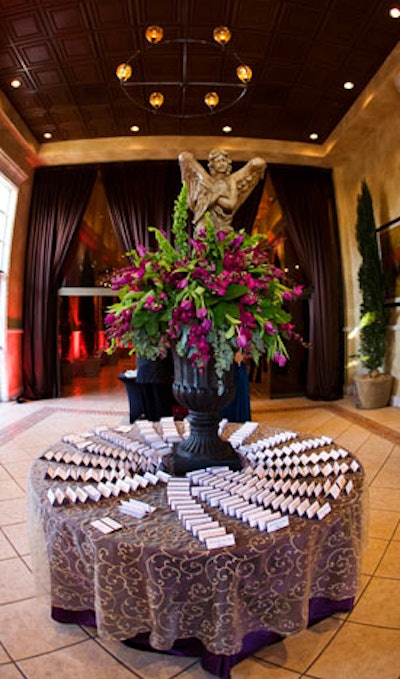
(10, 672)
(298, 651)
(19, 625)
(86, 660)
(390, 564)
(384, 498)
(16, 582)
(256, 669)
(10, 489)
(382, 524)
(389, 475)
(4, 657)
(12, 511)
(372, 555)
(360, 652)
(6, 549)
(147, 664)
(379, 604)
(18, 536)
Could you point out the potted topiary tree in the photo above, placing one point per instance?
(373, 389)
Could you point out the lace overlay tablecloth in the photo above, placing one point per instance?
(153, 576)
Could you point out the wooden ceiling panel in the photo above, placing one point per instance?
(66, 18)
(301, 52)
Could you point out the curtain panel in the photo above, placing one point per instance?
(59, 199)
(307, 199)
(141, 194)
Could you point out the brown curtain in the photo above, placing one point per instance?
(59, 199)
(141, 194)
(307, 199)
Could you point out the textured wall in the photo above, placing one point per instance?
(368, 147)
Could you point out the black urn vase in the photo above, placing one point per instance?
(198, 392)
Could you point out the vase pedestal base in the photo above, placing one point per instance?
(203, 447)
(180, 461)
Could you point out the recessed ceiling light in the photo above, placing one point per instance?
(15, 83)
(134, 128)
(47, 135)
(226, 129)
(394, 12)
(348, 85)
(313, 136)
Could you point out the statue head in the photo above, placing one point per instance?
(219, 162)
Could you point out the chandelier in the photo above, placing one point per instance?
(179, 96)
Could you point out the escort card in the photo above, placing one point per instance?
(205, 533)
(221, 541)
(324, 510)
(209, 523)
(277, 524)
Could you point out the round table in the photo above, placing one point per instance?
(153, 580)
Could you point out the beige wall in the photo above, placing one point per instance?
(367, 146)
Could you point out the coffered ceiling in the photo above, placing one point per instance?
(301, 53)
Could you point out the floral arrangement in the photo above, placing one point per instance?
(209, 296)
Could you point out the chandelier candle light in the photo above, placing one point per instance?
(233, 90)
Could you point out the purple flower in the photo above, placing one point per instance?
(237, 242)
(269, 328)
(280, 359)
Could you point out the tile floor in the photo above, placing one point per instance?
(364, 644)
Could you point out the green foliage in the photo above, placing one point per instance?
(374, 314)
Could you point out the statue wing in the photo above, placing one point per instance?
(199, 184)
(248, 177)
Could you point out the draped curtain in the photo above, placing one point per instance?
(141, 194)
(307, 200)
(59, 198)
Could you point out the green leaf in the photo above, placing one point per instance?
(223, 310)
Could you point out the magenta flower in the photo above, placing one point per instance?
(280, 359)
(269, 328)
(209, 296)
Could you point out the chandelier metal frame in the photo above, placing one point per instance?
(129, 87)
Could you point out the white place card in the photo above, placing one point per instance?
(312, 509)
(207, 532)
(221, 541)
(101, 526)
(302, 507)
(324, 510)
(81, 495)
(93, 493)
(192, 521)
(264, 520)
(277, 524)
(207, 523)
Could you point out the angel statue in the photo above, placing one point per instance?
(220, 193)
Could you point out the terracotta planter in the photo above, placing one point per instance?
(198, 392)
(373, 392)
